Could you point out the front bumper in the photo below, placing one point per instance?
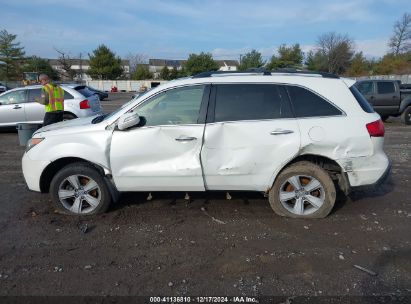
(32, 171)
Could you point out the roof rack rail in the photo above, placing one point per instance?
(247, 72)
(265, 72)
(297, 71)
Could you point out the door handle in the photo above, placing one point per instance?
(17, 107)
(281, 132)
(185, 138)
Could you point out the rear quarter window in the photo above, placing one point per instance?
(309, 104)
(385, 87)
(362, 101)
(365, 87)
(67, 95)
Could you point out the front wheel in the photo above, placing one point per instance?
(303, 190)
(80, 189)
(406, 116)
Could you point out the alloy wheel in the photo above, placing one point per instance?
(302, 194)
(79, 194)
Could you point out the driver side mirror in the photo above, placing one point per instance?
(128, 120)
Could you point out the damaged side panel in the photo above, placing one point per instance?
(243, 155)
(163, 158)
(347, 142)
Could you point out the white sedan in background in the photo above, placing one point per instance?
(18, 105)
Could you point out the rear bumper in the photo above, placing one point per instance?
(380, 181)
(366, 171)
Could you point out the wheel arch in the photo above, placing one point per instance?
(70, 113)
(405, 103)
(50, 171)
(331, 166)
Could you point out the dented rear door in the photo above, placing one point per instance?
(164, 153)
(250, 134)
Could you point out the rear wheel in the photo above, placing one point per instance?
(303, 190)
(80, 189)
(406, 116)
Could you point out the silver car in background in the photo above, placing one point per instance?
(18, 105)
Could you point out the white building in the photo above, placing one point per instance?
(80, 67)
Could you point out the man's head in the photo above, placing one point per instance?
(43, 78)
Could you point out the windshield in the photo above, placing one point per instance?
(107, 116)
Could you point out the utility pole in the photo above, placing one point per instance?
(81, 67)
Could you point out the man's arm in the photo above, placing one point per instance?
(44, 98)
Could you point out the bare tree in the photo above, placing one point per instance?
(65, 62)
(136, 59)
(400, 42)
(337, 51)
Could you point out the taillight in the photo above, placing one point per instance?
(376, 128)
(84, 104)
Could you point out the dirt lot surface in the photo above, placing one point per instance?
(210, 245)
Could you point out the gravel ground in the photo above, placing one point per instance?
(208, 245)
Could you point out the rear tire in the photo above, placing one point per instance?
(406, 116)
(384, 118)
(80, 189)
(303, 190)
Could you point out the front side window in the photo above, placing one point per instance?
(173, 107)
(385, 87)
(366, 87)
(250, 102)
(308, 104)
(13, 97)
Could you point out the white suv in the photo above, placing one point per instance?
(294, 136)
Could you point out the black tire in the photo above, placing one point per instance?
(406, 116)
(304, 172)
(384, 117)
(85, 173)
(68, 116)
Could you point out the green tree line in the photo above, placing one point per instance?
(333, 53)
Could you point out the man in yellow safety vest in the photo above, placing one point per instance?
(52, 97)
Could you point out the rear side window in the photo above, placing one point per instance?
(384, 87)
(366, 87)
(308, 104)
(361, 100)
(250, 102)
(34, 94)
(86, 92)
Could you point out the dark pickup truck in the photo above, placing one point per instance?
(388, 98)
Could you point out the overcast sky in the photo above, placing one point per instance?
(172, 29)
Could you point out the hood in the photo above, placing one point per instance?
(67, 124)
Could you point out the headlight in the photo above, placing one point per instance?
(33, 142)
